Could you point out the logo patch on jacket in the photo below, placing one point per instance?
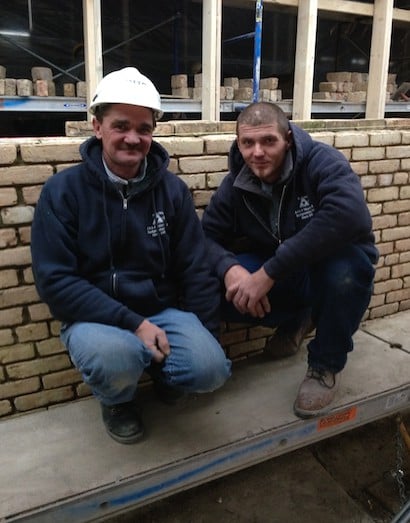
(305, 209)
(159, 224)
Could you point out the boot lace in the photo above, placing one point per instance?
(322, 376)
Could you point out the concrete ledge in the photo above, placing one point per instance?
(59, 465)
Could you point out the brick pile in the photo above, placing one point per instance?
(40, 84)
(233, 88)
(350, 87)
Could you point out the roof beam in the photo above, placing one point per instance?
(341, 6)
(304, 60)
(379, 58)
(92, 45)
(211, 59)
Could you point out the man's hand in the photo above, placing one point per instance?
(248, 292)
(154, 339)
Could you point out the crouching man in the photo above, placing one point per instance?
(290, 238)
(118, 256)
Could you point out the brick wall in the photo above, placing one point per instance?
(35, 370)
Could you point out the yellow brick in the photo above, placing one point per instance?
(8, 153)
(43, 398)
(16, 388)
(51, 150)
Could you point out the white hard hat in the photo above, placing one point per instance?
(127, 86)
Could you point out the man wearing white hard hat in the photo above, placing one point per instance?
(118, 256)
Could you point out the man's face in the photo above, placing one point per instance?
(264, 149)
(126, 135)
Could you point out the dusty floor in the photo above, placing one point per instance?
(345, 479)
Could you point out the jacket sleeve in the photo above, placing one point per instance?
(218, 223)
(199, 288)
(55, 261)
(341, 215)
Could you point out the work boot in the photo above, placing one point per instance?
(316, 393)
(123, 422)
(289, 336)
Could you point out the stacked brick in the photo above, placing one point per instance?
(40, 84)
(233, 88)
(350, 87)
(35, 370)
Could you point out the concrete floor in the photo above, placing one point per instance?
(344, 479)
(59, 465)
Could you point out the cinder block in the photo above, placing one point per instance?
(356, 96)
(325, 95)
(183, 92)
(229, 92)
(357, 77)
(81, 90)
(338, 96)
(51, 88)
(41, 73)
(2, 72)
(69, 90)
(345, 87)
(276, 95)
(10, 87)
(344, 76)
(231, 82)
(41, 88)
(264, 95)
(269, 83)
(198, 80)
(179, 81)
(245, 82)
(2, 86)
(222, 93)
(243, 93)
(330, 87)
(391, 78)
(360, 86)
(197, 93)
(24, 87)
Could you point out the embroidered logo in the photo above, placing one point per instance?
(159, 224)
(305, 210)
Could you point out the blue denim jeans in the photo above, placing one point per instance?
(112, 360)
(337, 289)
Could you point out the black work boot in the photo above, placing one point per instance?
(123, 422)
(289, 336)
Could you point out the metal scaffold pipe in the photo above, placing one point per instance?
(257, 49)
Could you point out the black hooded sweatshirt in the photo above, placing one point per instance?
(100, 256)
(319, 205)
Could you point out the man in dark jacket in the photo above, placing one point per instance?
(290, 237)
(118, 256)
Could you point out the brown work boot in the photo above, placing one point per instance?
(316, 393)
(288, 337)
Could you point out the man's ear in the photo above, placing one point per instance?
(289, 139)
(96, 127)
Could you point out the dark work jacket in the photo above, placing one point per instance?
(99, 256)
(321, 209)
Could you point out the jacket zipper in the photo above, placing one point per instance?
(114, 284)
(282, 197)
(278, 238)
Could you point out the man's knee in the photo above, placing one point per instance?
(350, 271)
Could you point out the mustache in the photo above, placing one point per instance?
(128, 147)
